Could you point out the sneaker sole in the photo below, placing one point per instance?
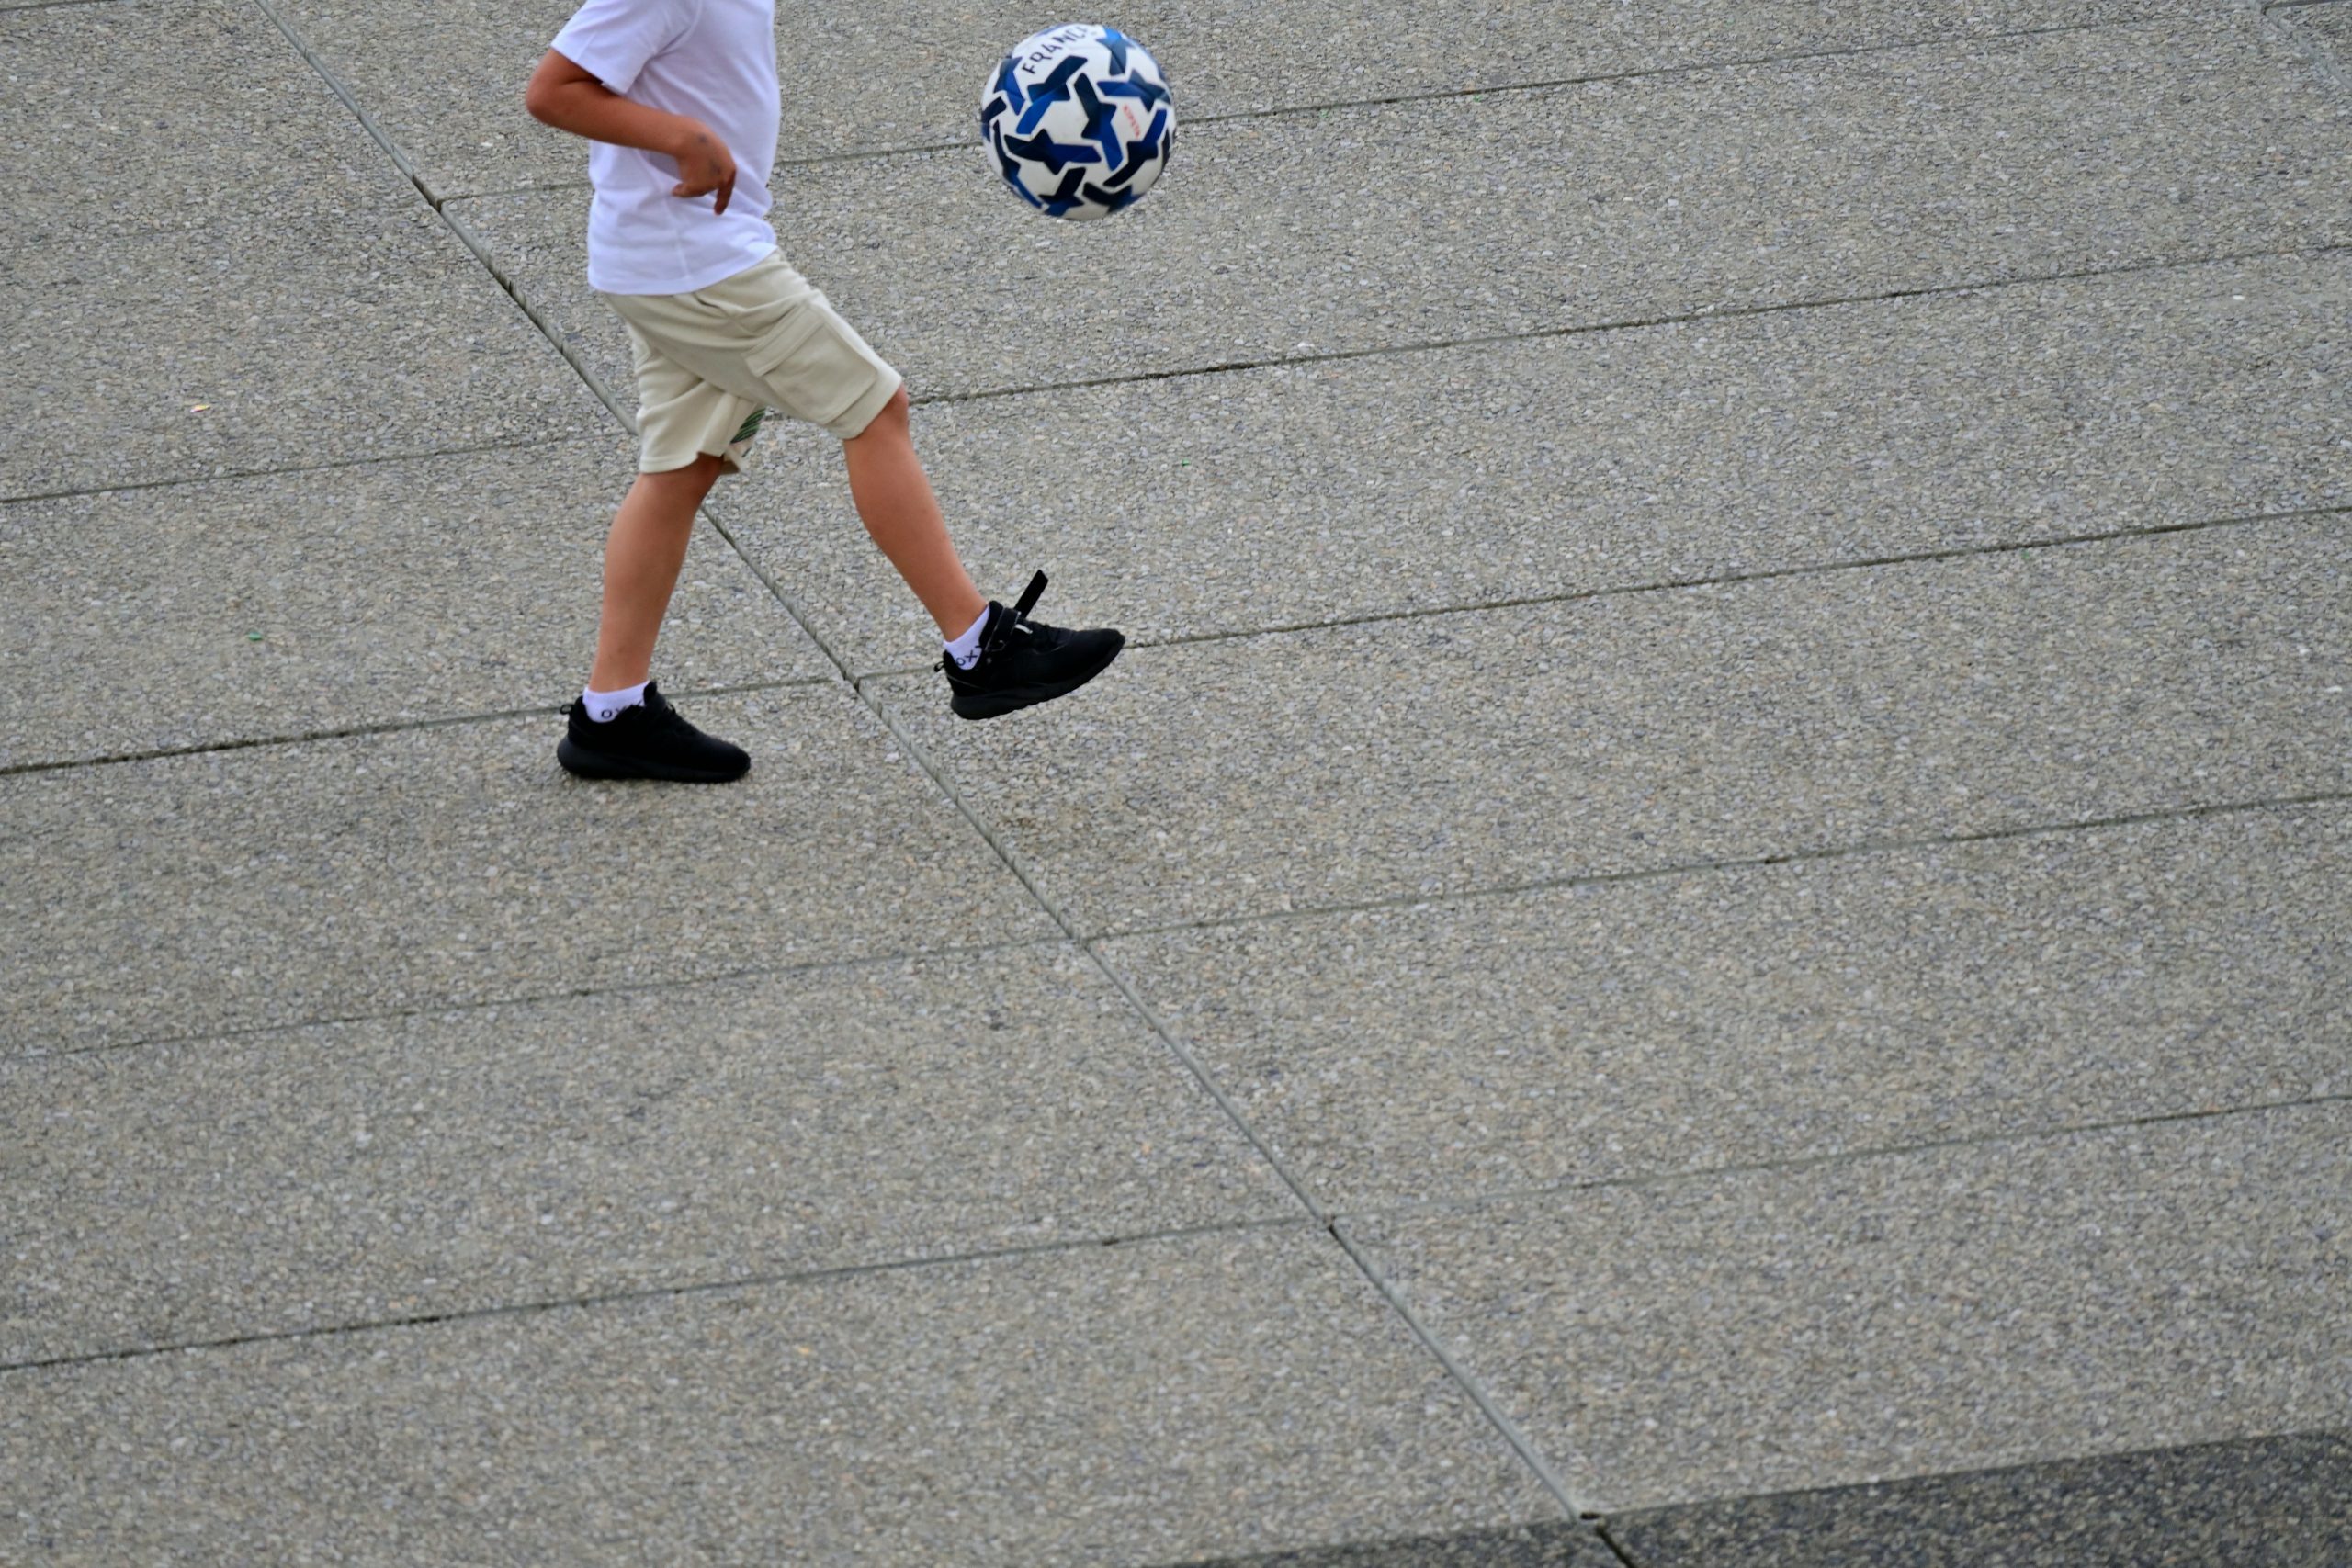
(995, 705)
(581, 762)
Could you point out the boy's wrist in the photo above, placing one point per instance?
(686, 134)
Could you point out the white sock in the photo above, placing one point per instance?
(605, 706)
(965, 649)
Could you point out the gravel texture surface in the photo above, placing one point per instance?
(908, 75)
(1613, 202)
(1443, 754)
(421, 868)
(548, 1151)
(281, 341)
(1948, 1309)
(1133, 1404)
(141, 115)
(1793, 1011)
(2330, 22)
(299, 603)
(1295, 495)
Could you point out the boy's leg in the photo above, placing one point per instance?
(638, 735)
(894, 501)
(767, 339)
(642, 556)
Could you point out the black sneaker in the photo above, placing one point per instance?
(1023, 661)
(651, 741)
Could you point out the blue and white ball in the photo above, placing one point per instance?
(1078, 120)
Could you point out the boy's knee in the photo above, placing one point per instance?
(694, 477)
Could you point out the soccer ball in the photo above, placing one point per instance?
(1078, 120)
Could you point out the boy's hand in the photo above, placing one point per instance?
(704, 164)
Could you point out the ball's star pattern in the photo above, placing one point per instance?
(1143, 89)
(1053, 90)
(1101, 120)
(1054, 156)
(1078, 121)
(1153, 144)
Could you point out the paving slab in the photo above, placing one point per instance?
(282, 340)
(417, 869)
(1298, 494)
(2265, 1502)
(291, 605)
(1955, 1308)
(908, 74)
(113, 89)
(1091, 1406)
(551, 1151)
(1774, 1014)
(1617, 202)
(1510, 747)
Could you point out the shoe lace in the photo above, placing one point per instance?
(661, 716)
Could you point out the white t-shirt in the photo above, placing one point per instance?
(714, 59)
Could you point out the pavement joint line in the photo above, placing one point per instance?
(547, 329)
(1434, 94)
(334, 83)
(387, 726)
(465, 235)
(1639, 323)
(1470, 1202)
(595, 1299)
(226, 476)
(1014, 863)
(1521, 1443)
(2193, 812)
(2149, 18)
(1674, 584)
(255, 1032)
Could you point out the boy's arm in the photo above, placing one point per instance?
(564, 96)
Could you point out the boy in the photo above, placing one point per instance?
(679, 99)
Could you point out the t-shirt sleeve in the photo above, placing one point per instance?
(612, 40)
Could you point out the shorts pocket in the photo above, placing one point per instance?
(811, 366)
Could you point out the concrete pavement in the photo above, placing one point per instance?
(1708, 925)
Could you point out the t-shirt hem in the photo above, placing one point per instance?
(604, 281)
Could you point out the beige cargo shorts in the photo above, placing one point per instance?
(710, 363)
